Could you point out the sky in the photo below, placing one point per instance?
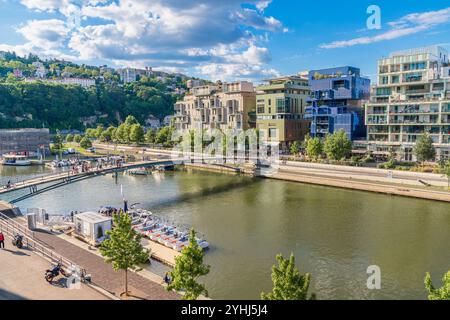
(222, 39)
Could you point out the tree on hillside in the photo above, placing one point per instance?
(337, 145)
(288, 283)
(137, 134)
(77, 138)
(442, 293)
(188, 268)
(123, 248)
(314, 148)
(424, 149)
(85, 143)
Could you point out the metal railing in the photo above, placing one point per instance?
(12, 228)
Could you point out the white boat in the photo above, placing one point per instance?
(15, 160)
(138, 172)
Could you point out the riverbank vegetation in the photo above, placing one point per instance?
(336, 149)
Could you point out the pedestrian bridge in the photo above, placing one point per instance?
(49, 182)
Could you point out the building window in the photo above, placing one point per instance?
(272, 132)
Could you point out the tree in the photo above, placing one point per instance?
(424, 149)
(314, 147)
(58, 140)
(85, 143)
(130, 120)
(288, 283)
(445, 169)
(337, 145)
(77, 138)
(121, 133)
(69, 137)
(137, 134)
(442, 293)
(150, 136)
(164, 136)
(108, 134)
(91, 133)
(123, 249)
(295, 147)
(99, 131)
(188, 268)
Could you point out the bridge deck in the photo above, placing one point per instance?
(78, 176)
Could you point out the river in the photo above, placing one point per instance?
(335, 234)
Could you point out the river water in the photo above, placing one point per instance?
(335, 234)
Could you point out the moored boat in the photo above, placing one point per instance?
(15, 160)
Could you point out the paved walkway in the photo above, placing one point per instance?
(103, 274)
(22, 277)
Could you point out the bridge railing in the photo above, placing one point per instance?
(12, 228)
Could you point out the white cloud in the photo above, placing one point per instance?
(197, 35)
(46, 34)
(407, 25)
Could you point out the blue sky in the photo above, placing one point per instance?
(221, 39)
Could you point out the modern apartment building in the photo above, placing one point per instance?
(412, 97)
(280, 107)
(336, 102)
(220, 106)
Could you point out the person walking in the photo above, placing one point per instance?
(2, 240)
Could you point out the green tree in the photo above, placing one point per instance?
(137, 134)
(99, 131)
(123, 249)
(85, 143)
(58, 140)
(288, 283)
(295, 148)
(442, 293)
(337, 145)
(424, 149)
(164, 136)
(445, 169)
(121, 133)
(69, 137)
(91, 133)
(314, 147)
(130, 120)
(150, 136)
(108, 134)
(188, 268)
(77, 138)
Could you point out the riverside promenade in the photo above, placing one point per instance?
(22, 277)
(103, 275)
